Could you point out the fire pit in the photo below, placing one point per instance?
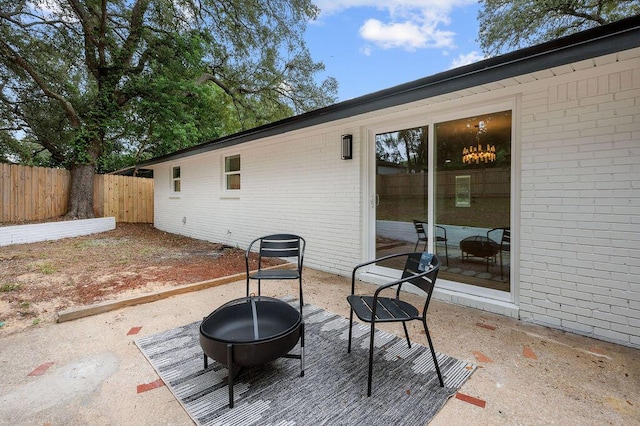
(251, 331)
(479, 246)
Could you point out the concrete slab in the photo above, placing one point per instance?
(527, 374)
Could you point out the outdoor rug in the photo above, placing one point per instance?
(334, 387)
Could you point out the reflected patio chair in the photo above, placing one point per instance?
(440, 234)
(420, 270)
(505, 244)
(277, 246)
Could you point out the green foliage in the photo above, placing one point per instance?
(6, 287)
(108, 87)
(45, 268)
(507, 25)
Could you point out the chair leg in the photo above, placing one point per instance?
(301, 301)
(406, 333)
(247, 284)
(416, 247)
(350, 328)
(302, 350)
(446, 252)
(433, 353)
(371, 337)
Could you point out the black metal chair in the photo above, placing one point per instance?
(505, 244)
(420, 270)
(279, 246)
(440, 235)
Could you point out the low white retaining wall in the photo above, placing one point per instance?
(22, 234)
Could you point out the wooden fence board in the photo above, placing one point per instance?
(38, 193)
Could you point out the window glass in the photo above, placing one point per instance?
(232, 172)
(401, 190)
(473, 197)
(175, 179)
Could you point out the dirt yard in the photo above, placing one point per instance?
(37, 280)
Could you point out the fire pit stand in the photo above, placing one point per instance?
(251, 331)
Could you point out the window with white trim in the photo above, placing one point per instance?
(175, 179)
(232, 172)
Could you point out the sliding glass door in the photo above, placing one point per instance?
(470, 189)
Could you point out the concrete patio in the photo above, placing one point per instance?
(89, 371)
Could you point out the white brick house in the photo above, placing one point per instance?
(572, 201)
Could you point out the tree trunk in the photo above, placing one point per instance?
(80, 205)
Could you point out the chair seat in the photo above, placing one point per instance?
(275, 274)
(388, 309)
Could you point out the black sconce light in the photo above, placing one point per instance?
(347, 147)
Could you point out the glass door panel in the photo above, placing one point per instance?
(401, 190)
(473, 198)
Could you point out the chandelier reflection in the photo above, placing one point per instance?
(478, 153)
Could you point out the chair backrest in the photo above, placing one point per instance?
(282, 245)
(505, 238)
(419, 228)
(415, 266)
(505, 243)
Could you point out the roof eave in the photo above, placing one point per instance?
(599, 41)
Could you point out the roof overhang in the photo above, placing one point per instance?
(592, 43)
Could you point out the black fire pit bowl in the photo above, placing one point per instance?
(256, 330)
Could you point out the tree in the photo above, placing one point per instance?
(511, 24)
(407, 147)
(87, 80)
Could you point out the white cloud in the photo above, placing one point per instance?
(328, 7)
(466, 59)
(410, 25)
(406, 35)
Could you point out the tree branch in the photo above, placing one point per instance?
(70, 112)
(135, 32)
(91, 42)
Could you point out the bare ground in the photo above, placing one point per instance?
(39, 279)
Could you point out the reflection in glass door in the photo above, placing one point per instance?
(471, 193)
(473, 197)
(401, 189)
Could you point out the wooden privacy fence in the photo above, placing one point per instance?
(127, 198)
(39, 193)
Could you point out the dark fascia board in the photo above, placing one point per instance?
(592, 43)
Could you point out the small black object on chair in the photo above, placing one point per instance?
(278, 246)
(440, 236)
(420, 270)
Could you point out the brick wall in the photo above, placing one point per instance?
(287, 185)
(580, 205)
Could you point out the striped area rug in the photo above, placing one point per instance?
(332, 391)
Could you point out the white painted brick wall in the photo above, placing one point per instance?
(580, 205)
(23, 234)
(288, 185)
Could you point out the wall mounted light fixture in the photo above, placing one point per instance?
(347, 147)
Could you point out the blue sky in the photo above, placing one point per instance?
(370, 45)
